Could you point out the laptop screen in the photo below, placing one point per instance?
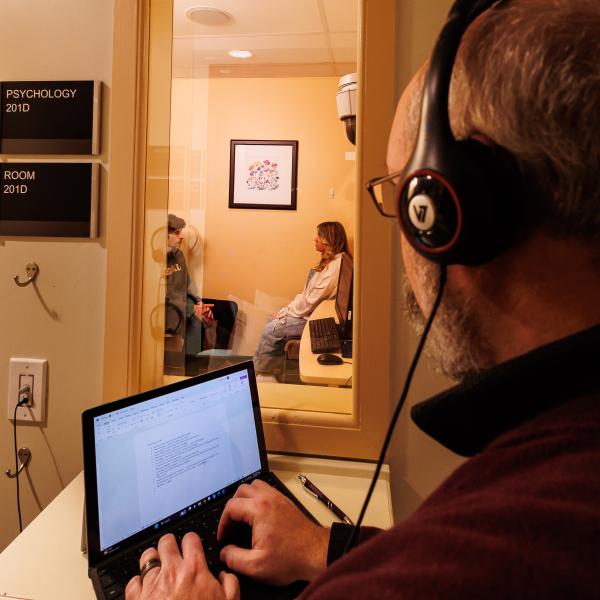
(167, 452)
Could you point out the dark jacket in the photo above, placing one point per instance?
(179, 297)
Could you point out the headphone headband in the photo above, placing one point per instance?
(453, 194)
(437, 85)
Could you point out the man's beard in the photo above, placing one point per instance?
(455, 345)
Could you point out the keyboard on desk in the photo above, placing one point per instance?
(111, 579)
(324, 335)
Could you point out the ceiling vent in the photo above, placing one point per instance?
(207, 15)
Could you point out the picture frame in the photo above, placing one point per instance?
(263, 174)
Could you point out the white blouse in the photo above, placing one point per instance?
(321, 286)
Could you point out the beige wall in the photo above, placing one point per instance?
(244, 250)
(265, 249)
(63, 320)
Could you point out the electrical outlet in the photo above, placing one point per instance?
(31, 372)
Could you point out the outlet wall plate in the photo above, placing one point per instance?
(31, 371)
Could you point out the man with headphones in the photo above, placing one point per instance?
(185, 314)
(494, 160)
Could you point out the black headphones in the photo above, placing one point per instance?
(453, 195)
(456, 198)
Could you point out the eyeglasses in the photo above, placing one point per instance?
(383, 191)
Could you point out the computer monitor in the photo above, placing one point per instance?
(343, 298)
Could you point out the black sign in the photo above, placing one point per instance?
(48, 199)
(49, 117)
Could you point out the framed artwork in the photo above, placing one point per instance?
(263, 174)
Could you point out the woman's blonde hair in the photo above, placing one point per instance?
(334, 235)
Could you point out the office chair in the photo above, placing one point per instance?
(225, 314)
(291, 362)
(214, 352)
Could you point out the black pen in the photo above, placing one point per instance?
(313, 490)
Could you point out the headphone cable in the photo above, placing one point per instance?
(403, 395)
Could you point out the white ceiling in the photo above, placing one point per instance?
(316, 37)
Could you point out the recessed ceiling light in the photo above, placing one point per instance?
(207, 15)
(240, 53)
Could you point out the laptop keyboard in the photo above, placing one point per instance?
(114, 578)
(324, 336)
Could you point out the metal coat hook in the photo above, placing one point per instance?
(24, 455)
(32, 271)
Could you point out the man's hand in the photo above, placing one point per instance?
(181, 577)
(286, 546)
(204, 312)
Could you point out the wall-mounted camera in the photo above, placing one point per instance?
(346, 104)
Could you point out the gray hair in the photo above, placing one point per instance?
(528, 77)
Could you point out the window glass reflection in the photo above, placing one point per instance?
(197, 329)
(248, 266)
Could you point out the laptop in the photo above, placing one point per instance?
(167, 460)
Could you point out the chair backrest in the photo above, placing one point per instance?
(225, 313)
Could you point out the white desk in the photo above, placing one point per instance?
(45, 561)
(310, 370)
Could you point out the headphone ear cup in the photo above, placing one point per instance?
(459, 212)
(158, 246)
(430, 214)
(490, 197)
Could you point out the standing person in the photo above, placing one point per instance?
(518, 327)
(183, 307)
(321, 284)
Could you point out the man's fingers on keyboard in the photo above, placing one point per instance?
(230, 585)
(240, 560)
(236, 510)
(259, 484)
(168, 550)
(148, 554)
(243, 491)
(134, 588)
(246, 490)
(192, 550)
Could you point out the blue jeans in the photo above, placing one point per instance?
(269, 354)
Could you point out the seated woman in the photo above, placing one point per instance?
(321, 284)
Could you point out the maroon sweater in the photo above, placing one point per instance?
(521, 519)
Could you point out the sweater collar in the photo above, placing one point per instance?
(467, 417)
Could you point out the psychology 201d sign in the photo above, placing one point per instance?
(50, 117)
